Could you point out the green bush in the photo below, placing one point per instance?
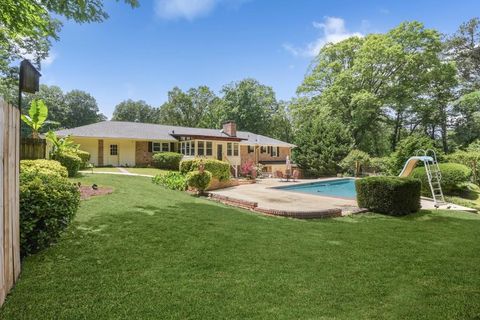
(48, 202)
(355, 162)
(167, 160)
(85, 157)
(171, 180)
(389, 195)
(50, 166)
(219, 169)
(453, 175)
(70, 161)
(199, 180)
(408, 147)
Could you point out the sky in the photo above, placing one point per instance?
(143, 53)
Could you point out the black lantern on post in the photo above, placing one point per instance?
(29, 80)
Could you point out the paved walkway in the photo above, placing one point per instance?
(277, 199)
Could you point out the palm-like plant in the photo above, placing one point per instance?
(61, 145)
(37, 117)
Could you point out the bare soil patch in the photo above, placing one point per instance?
(88, 191)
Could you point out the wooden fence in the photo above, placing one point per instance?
(9, 198)
(32, 148)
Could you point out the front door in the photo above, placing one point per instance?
(220, 152)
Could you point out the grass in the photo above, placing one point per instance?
(144, 252)
(469, 196)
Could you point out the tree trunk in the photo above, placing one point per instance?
(396, 131)
(443, 126)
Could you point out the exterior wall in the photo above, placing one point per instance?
(125, 156)
(91, 146)
(257, 156)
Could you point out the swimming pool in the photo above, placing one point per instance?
(343, 188)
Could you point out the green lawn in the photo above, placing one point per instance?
(148, 253)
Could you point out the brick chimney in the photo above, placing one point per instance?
(230, 128)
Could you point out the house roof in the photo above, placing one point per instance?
(148, 131)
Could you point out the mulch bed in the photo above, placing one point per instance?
(88, 192)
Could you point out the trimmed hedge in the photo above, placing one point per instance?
(171, 180)
(50, 166)
(85, 157)
(389, 195)
(199, 180)
(48, 202)
(219, 169)
(167, 160)
(70, 161)
(453, 174)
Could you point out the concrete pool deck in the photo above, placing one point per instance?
(267, 196)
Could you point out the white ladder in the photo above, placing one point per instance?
(434, 176)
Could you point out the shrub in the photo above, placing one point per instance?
(70, 161)
(167, 160)
(389, 195)
(171, 180)
(199, 180)
(50, 166)
(48, 202)
(453, 175)
(219, 169)
(85, 157)
(247, 169)
(355, 161)
(407, 148)
(470, 158)
(380, 165)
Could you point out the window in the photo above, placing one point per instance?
(187, 148)
(156, 147)
(263, 149)
(114, 150)
(229, 149)
(201, 148)
(232, 149)
(209, 149)
(165, 147)
(251, 149)
(235, 149)
(275, 151)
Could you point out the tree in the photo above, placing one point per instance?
(467, 120)
(27, 28)
(82, 109)
(372, 81)
(134, 111)
(322, 142)
(250, 104)
(190, 109)
(464, 49)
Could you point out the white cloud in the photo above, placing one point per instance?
(191, 9)
(52, 56)
(50, 59)
(333, 31)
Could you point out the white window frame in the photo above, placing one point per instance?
(163, 145)
(187, 148)
(274, 151)
(207, 148)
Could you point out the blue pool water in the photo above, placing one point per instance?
(344, 188)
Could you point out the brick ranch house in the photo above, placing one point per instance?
(119, 143)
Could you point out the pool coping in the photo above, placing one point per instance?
(298, 214)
